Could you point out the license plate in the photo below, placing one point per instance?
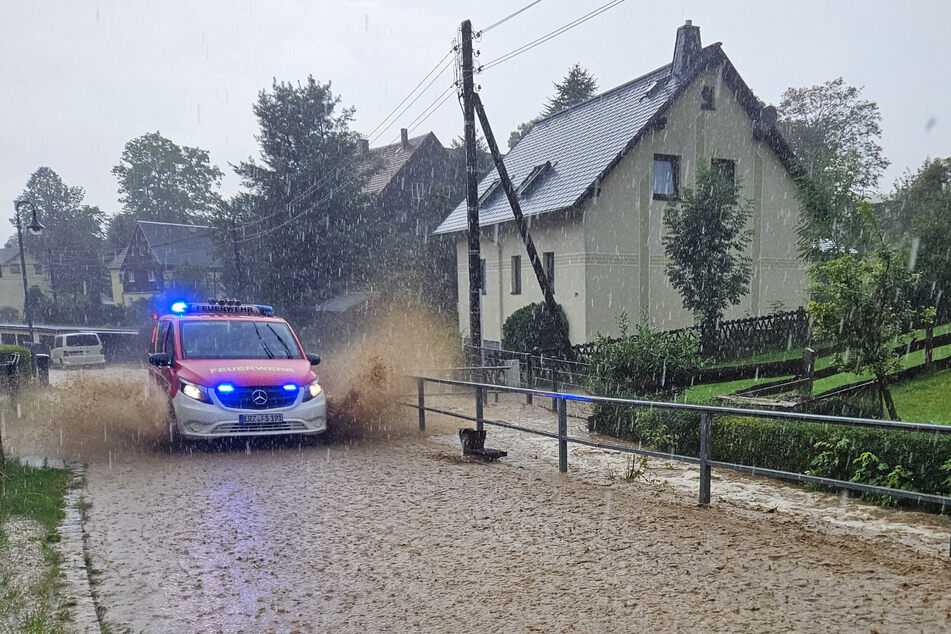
(260, 418)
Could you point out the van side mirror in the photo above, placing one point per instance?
(160, 360)
(313, 358)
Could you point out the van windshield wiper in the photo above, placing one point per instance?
(270, 355)
(279, 338)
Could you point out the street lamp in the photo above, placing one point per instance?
(36, 229)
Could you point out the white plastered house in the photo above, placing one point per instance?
(594, 181)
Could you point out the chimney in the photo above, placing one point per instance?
(686, 50)
(766, 122)
(404, 139)
(363, 147)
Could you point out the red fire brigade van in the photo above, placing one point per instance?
(233, 369)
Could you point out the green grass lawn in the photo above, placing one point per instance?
(701, 393)
(771, 356)
(706, 393)
(925, 399)
(36, 494)
(845, 378)
(33, 493)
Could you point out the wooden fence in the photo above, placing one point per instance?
(741, 337)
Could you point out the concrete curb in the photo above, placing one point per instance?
(78, 592)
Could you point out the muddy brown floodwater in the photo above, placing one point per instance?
(394, 532)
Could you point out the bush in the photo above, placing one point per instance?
(646, 363)
(534, 327)
(24, 368)
(674, 431)
(903, 460)
(871, 456)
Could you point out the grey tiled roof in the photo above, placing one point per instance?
(580, 142)
(386, 162)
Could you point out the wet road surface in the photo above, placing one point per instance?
(396, 533)
(402, 535)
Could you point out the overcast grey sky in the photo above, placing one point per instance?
(81, 78)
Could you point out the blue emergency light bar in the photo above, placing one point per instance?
(221, 307)
(226, 388)
(290, 387)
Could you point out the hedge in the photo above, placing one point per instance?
(24, 367)
(925, 459)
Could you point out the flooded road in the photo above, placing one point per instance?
(396, 533)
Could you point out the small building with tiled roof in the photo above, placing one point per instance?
(403, 175)
(594, 180)
(160, 254)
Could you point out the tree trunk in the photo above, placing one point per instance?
(708, 336)
(887, 397)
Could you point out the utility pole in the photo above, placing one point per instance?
(472, 197)
(512, 196)
(239, 278)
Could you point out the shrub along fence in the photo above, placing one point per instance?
(15, 367)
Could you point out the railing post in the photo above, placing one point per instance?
(706, 429)
(529, 380)
(808, 369)
(421, 402)
(479, 403)
(562, 435)
(554, 386)
(929, 345)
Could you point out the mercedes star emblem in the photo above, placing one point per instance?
(259, 397)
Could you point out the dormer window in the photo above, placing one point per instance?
(487, 194)
(534, 177)
(706, 98)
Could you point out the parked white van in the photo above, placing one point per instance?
(77, 348)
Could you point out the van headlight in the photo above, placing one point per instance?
(312, 391)
(196, 392)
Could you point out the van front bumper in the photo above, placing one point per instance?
(210, 420)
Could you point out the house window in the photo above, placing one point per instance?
(725, 168)
(15, 268)
(482, 274)
(706, 98)
(516, 275)
(666, 177)
(131, 276)
(38, 269)
(550, 269)
(151, 276)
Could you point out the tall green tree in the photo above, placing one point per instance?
(705, 240)
(577, 86)
(862, 305)
(162, 181)
(307, 220)
(71, 245)
(835, 134)
(919, 214)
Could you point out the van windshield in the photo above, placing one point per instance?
(82, 340)
(238, 339)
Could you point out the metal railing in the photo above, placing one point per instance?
(705, 458)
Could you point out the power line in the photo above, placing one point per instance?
(507, 18)
(541, 40)
(438, 64)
